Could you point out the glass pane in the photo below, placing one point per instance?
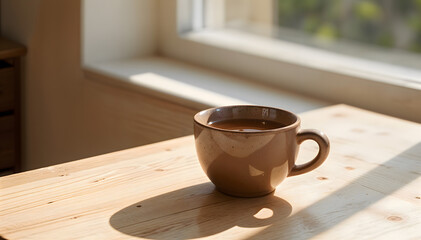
(385, 23)
(381, 30)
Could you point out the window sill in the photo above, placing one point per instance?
(192, 86)
(315, 73)
(310, 57)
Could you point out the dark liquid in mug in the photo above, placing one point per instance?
(247, 125)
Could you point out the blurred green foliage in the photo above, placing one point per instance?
(368, 11)
(385, 23)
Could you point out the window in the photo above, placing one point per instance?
(261, 51)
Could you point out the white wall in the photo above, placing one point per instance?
(117, 29)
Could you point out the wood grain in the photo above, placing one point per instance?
(367, 189)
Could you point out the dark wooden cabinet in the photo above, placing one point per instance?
(10, 104)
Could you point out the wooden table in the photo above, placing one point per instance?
(369, 188)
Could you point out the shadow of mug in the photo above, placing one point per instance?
(197, 211)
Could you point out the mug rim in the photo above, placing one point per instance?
(281, 129)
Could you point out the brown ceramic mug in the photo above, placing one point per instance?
(248, 151)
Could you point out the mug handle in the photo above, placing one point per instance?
(324, 146)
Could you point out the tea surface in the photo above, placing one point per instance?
(247, 125)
